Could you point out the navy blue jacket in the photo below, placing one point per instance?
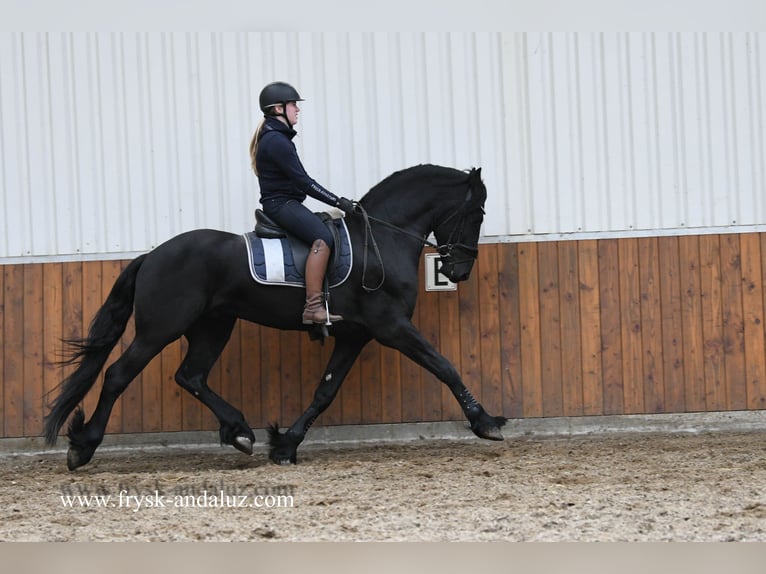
(281, 174)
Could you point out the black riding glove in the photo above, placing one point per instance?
(346, 205)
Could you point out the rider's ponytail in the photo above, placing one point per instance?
(254, 146)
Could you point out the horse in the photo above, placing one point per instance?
(197, 284)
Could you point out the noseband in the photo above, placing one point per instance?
(445, 250)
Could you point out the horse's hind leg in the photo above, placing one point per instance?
(84, 438)
(284, 447)
(207, 338)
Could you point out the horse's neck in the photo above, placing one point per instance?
(400, 210)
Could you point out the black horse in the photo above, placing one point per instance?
(198, 283)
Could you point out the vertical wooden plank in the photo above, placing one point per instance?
(350, 396)
(231, 369)
(611, 336)
(251, 380)
(449, 338)
(550, 329)
(215, 382)
(170, 399)
(148, 393)
(529, 315)
(312, 369)
(191, 407)
(712, 323)
(146, 396)
(53, 330)
(733, 322)
(33, 349)
(691, 316)
(571, 343)
(753, 316)
(653, 382)
(428, 304)
(630, 310)
(271, 379)
(672, 325)
(91, 302)
(372, 394)
(470, 336)
(391, 383)
(334, 414)
(128, 406)
(510, 330)
(72, 316)
(290, 380)
(489, 320)
(2, 350)
(412, 392)
(590, 328)
(13, 367)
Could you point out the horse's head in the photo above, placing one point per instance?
(457, 234)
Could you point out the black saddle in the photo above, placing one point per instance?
(267, 228)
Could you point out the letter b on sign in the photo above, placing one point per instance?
(435, 280)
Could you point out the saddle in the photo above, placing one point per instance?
(277, 257)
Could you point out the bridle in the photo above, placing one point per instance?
(445, 250)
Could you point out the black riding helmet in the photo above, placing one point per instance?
(277, 93)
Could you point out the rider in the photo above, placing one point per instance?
(284, 186)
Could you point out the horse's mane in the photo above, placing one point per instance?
(436, 174)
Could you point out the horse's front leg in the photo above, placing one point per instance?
(284, 446)
(409, 341)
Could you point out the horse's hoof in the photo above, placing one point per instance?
(492, 434)
(243, 444)
(488, 427)
(75, 458)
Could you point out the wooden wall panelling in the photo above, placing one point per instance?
(449, 338)
(13, 365)
(712, 322)
(52, 331)
(550, 330)
(753, 319)
(653, 380)
(110, 270)
(671, 324)
(611, 335)
(630, 327)
(412, 387)
(510, 331)
(489, 321)
(590, 330)
(3, 417)
(371, 388)
(270, 378)
(470, 337)
(231, 369)
(428, 324)
(391, 385)
(529, 314)
(733, 322)
(33, 350)
(250, 345)
(668, 324)
(571, 328)
(170, 394)
(691, 314)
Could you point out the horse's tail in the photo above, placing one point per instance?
(90, 353)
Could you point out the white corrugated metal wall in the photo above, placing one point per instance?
(111, 143)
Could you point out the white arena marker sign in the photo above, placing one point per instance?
(435, 280)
